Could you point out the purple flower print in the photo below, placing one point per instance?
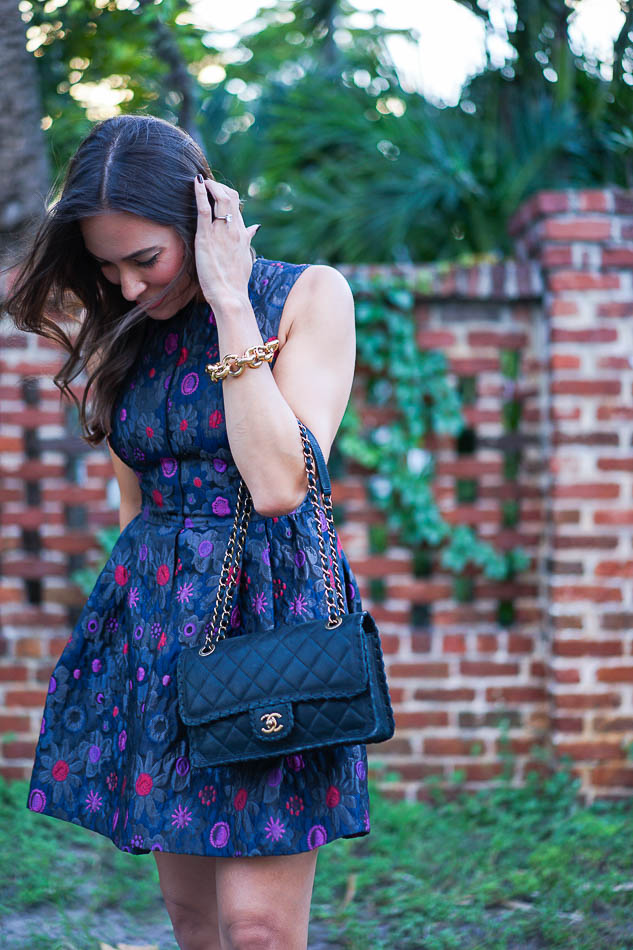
(275, 829)
(221, 507)
(169, 467)
(205, 548)
(93, 801)
(259, 602)
(219, 465)
(299, 605)
(219, 834)
(300, 558)
(181, 817)
(37, 800)
(185, 592)
(189, 384)
(171, 343)
(317, 836)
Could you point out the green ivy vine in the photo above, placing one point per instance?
(414, 385)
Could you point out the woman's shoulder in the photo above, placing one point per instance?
(269, 273)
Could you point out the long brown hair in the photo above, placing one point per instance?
(134, 163)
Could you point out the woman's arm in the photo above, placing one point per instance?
(311, 381)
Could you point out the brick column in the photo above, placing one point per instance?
(584, 243)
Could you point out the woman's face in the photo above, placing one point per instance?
(142, 257)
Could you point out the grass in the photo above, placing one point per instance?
(523, 869)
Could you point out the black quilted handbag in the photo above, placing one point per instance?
(317, 683)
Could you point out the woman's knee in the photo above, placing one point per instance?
(257, 931)
(193, 928)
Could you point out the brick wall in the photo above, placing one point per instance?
(468, 680)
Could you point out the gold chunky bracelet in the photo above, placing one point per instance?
(233, 365)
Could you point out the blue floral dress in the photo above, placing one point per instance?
(112, 754)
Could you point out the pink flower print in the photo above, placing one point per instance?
(366, 820)
(183, 425)
(163, 574)
(236, 617)
(185, 592)
(184, 353)
(149, 432)
(171, 342)
(332, 797)
(112, 781)
(93, 801)
(181, 817)
(278, 587)
(152, 373)
(299, 605)
(220, 506)
(275, 829)
(121, 575)
(123, 415)
(157, 497)
(136, 841)
(189, 384)
(259, 602)
(295, 805)
(207, 794)
(161, 643)
(197, 482)
(215, 419)
(144, 784)
(132, 597)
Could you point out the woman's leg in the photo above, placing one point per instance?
(264, 902)
(187, 883)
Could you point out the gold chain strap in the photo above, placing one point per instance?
(228, 574)
(233, 365)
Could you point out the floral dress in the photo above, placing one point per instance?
(112, 754)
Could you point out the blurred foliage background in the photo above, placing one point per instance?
(306, 116)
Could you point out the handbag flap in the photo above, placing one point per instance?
(300, 662)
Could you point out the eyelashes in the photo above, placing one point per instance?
(149, 263)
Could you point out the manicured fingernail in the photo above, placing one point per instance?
(257, 228)
(200, 178)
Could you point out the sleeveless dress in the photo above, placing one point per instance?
(112, 754)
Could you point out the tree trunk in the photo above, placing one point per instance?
(24, 170)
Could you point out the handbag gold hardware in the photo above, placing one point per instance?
(271, 724)
(233, 554)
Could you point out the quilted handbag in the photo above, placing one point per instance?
(317, 683)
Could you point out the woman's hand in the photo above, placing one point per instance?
(222, 248)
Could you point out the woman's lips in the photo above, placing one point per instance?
(154, 305)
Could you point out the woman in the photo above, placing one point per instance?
(153, 255)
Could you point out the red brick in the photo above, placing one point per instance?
(506, 341)
(487, 642)
(418, 669)
(615, 674)
(567, 724)
(592, 335)
(597, 595)
(587, 751)
(621, 257)
(14, 723)
(584, 701)
(586, 387)
(420, 719)
(614, 569)
(19, 749)
(454, 643)
(588, 490)
(564, 361)
(587, 647)
(619, 517)
(435, 339)
(617, 464)
(458, 694)
(450, 746)
(566, 676)
(612, 775)
(616, 308)
(13, 674)
(593, 200)
(582, 280)
(553, 256)
(31, 698)
(520, 644)
(515, 694)
(487, 668)
(577, 229)
(481, 771)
